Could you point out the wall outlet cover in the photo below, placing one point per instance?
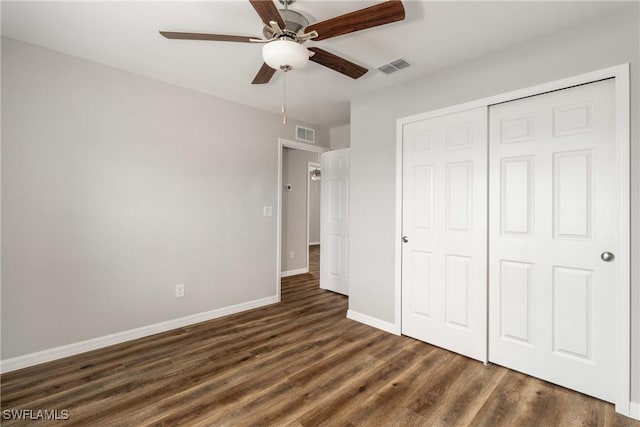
(180, 290)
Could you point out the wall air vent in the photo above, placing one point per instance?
(305, 134)
(394, 66)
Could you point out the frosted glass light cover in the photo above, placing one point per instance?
(280, 54)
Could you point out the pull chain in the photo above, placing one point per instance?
(285, 68)
(284, 99)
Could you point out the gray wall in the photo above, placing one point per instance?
(115, 188)
(340, 137)
(610, 41)
(294, 208)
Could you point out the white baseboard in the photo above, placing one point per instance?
(43, 356)
(372, 321)
(313, 243)
(634, 410)
(294, 272)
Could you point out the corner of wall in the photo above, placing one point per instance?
(340, 137)
(392, 328)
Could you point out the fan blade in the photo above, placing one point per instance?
(202, 36)
(380, 14)
(337, 63)
(267, 11)
(264, 75)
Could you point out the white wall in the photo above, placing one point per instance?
(610, 41)
(294, 208)
(115, 188)
(340, 137)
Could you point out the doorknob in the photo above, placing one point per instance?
(405, 239)
(607, 256)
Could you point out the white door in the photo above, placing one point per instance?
(552, 204)
(334, 221)
(444, 258)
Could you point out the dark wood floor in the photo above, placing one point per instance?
(297, 363)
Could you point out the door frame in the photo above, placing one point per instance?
(623, 177)
(282, 144)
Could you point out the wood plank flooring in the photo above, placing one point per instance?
(297, 363)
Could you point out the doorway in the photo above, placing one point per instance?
(314, 176)
(293, 207)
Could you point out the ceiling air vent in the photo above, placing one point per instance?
(394, 66)
(305, 134)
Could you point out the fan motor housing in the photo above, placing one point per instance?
(295, 22)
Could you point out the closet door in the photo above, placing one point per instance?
(444, 257)
(552, 237)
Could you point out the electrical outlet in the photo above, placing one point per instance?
(180, 290)
(291, 255)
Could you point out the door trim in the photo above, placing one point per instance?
(286, 143)
(623, 298)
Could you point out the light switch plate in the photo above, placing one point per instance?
(267, 211)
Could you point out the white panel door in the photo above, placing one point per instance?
(334, 221)
(552, 204)
(444, 220)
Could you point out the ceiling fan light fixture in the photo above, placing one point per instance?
(285, 55)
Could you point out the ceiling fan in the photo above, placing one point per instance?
(285, 30)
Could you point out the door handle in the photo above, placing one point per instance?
(607, 256)
(405, 239)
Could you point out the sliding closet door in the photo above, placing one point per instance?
(552, 237)
(444, 257)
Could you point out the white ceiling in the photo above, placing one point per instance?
(435, 35)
